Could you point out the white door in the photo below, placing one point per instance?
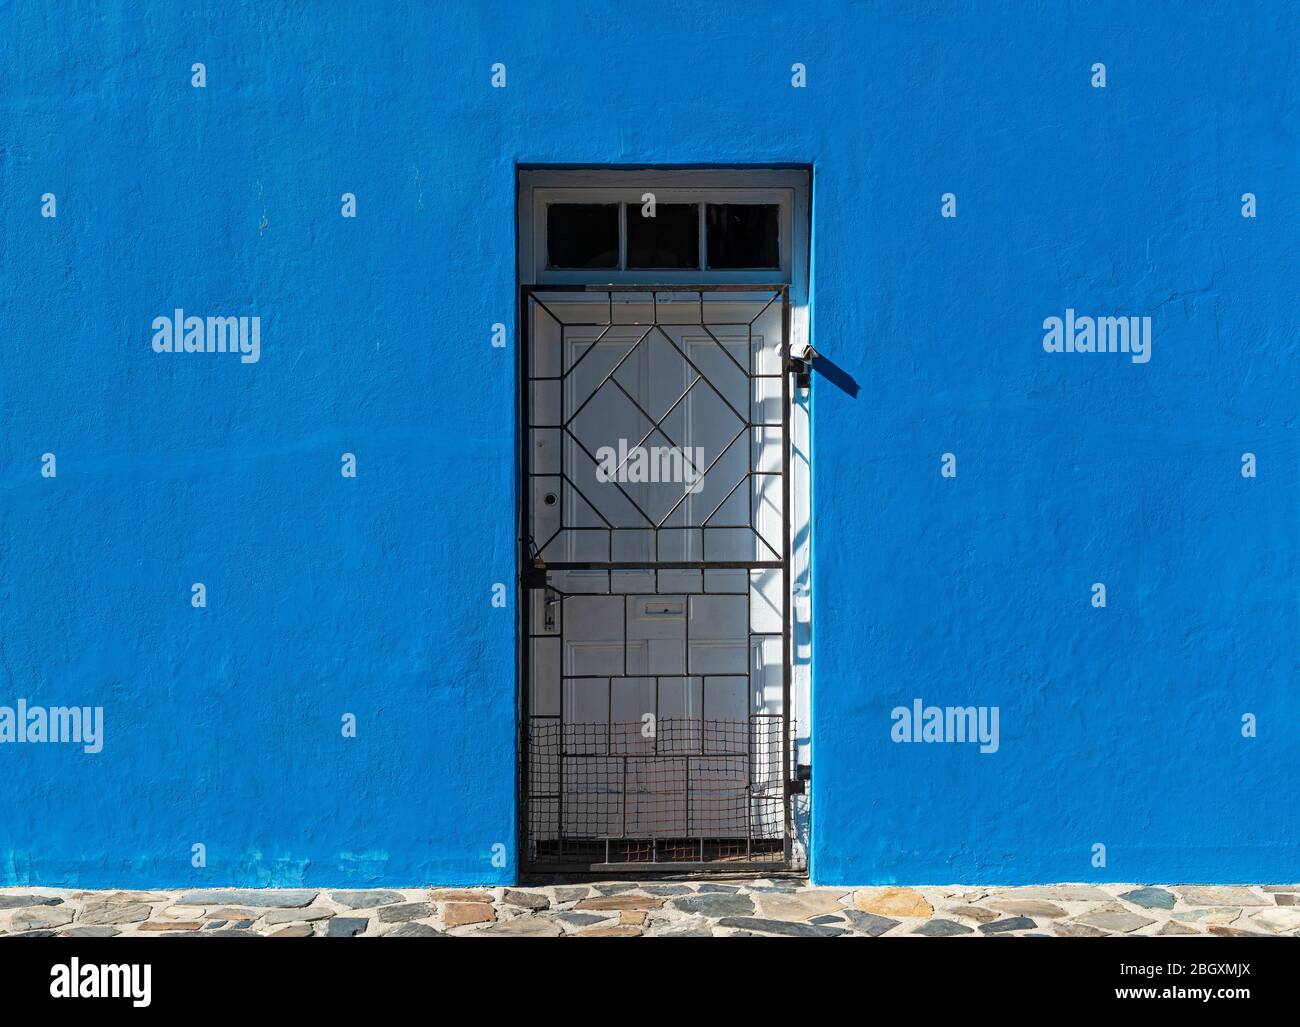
(665, 691)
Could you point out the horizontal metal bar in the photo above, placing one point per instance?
(666, 565)
(680, 287)
(718, 867)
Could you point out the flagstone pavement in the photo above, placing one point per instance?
(660, 908)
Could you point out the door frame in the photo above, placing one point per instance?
(790, 186)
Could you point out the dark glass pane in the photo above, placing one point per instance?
(582, 235)
(670, 239)
(743, 235)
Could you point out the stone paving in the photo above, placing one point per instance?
(659, 908)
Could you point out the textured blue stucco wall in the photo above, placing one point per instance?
(1119, 726)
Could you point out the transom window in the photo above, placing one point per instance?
(662, 226)
(663, 236)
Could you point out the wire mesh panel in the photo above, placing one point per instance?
(656, 656)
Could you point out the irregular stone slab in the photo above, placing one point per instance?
(714, 904)
(683, 929)
(1122, 921)
(100, 913)
(225, 913)
(240, 925)
(367, 899)
(571, 893)
(943, 929)
(1173, 927)
(1016, 923)
(24, 899)
(213, 925)
(1279, 918)
(616, 931)
(830, 918)
(632, 917)
(526, 899)
(1287, 900)
(892, 902)
(667, 890)
(1220, 915)
(293, 916)
(1056, 893)
(90, 932)
(413, 930)
(184, 912)
(123, 896)
(523, 927)
(404, 912)
(977, 913)
(721, 889)
(34, 934)
(170, 925)
(1029, 907)
(616, 888)
(293, 931)
(225, 933)
(798, 906)
(1150, 898)
(458, 914)
(1282, 888)
(782, 927)
(1236, 932)
(616, 902)
(583, 919)
(869, 923)
(1228, 896)
(1069, 930)
(36, 918)
(258, 898)
(346, 926)
(461, 895)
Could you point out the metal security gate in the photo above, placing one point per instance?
(654, 542)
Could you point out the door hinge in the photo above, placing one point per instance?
(802, 775)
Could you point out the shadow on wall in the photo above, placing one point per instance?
(836, 375)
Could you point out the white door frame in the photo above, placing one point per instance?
(791, 189)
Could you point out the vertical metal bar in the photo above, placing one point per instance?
(609, 533)
(753, 583)
(657, 725)
(622, 236)
(786, 584)
(686, 828)
(686, 625)
(701, 245)
(523, 601)
(654, 323)
(563, 443)
(749, 787)
(559, 762)
(568, 539)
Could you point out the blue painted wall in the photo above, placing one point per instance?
(1119, 726)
